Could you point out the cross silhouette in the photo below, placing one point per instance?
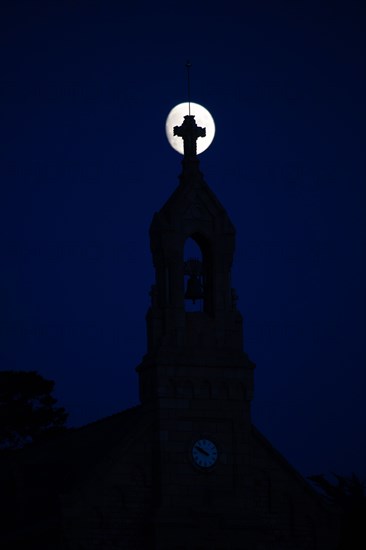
(189, 132)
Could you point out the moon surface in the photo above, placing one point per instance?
(202, 117)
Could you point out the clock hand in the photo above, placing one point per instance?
(202, 450)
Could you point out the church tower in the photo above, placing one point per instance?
(217, 483)
(195, 379)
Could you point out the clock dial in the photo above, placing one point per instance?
(204, 453)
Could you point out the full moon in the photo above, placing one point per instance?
(202, 117)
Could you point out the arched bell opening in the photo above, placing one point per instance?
(198, 275)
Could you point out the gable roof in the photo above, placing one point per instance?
(65, 456)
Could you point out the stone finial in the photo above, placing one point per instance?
(189, 132)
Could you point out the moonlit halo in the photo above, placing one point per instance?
(202, 117)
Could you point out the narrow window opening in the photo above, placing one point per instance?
(193, 276)
(198, 275)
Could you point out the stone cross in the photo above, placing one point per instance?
(189, 132)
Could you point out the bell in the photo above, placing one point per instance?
(194, 289)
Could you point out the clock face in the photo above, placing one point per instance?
(204, 453)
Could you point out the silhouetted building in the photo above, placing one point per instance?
(186, 469)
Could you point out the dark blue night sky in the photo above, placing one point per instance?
(85, 91)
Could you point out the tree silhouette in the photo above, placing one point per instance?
(348, 495)
(27, 409)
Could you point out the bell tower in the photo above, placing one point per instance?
(196, 380)
(212, 336)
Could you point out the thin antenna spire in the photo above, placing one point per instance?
(189, 65)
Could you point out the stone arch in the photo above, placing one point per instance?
(204, 278)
